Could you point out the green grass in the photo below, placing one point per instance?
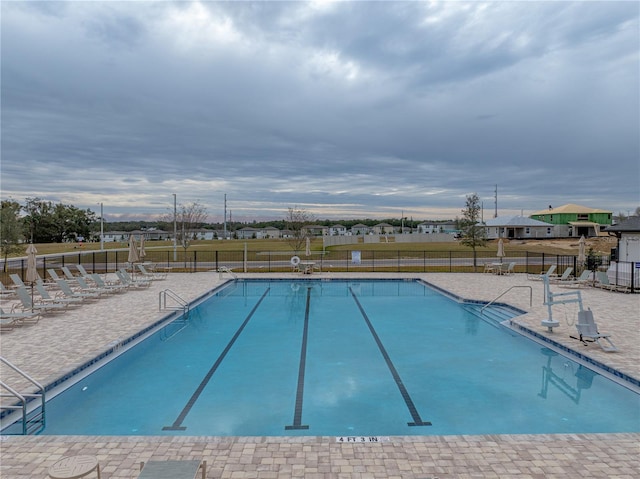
(272, 245)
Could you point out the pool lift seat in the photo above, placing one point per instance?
(588, 331)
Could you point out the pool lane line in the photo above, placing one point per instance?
(297, 415)
(177, 424)
(415, 415)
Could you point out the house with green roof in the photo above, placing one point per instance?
(575, 220)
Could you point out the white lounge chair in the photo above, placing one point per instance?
(69, 276)
(588, 331)
(582, 280)
(152, 275)
(101, 283)
(24, 295)
(4, 292)
(602, 281)
(70, 293)
(84, 287)
(565, 276)
(125, 278)
(45, 297)
(186, 469)
(510, 269)
(83, 272)
(55, 277)
(9, 320)
(17, 280)
(548, 274)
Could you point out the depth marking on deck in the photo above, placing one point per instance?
(297, 415)
(177, 424)
(417, 420)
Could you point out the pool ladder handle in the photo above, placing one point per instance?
(225, 269)
(162, 301)
(23, 398)
(505, 292)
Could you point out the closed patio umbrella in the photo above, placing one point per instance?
(32, 272)
(582, 257)
(500, 253)
(307, 250)
(142, 253)
(134, 256)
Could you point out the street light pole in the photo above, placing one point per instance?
(101, 227)
(175, 229)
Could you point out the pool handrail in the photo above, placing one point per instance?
(505, 292)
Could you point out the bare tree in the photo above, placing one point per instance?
(295, 221)
(473, 231)
(189, 218)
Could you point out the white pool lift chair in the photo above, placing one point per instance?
(588, 331)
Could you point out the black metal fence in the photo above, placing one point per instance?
(339, 261)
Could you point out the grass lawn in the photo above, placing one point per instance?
(563, 246)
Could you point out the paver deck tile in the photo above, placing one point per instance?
(96, 325)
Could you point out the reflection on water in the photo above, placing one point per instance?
(564, 378)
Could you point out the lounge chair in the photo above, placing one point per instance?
(83, 272)
(55, 277)
(4, 292)
(84, 287)
(101, 283)
(582, 280)
(124, 278)
(150, 274)
(510, 269)
(17, 281)
(13, 318)
(588, 331)
(47, 298)
(172, 469)
(565, 276)
(70, 293)
(24, 295)
(602, 281)
(548, 274)
(69, 276)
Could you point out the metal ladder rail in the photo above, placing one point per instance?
(162, 301)
(225, 269)
(40, 417)
(505, 292)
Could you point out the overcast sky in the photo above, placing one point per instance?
(344, 109)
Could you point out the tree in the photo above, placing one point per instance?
(49, 223)
(189, 218)
(295, 221)
(473, 231)
(11, 228)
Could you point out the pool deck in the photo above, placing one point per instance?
(59, 343)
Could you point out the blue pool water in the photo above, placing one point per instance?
(340, 358)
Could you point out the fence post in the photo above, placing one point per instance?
(450, 262)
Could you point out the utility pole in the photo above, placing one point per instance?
(225, 216)
(175, 229)
(101, 228)
(495, 214)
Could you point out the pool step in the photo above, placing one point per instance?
(495, 314)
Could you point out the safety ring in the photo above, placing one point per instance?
(295, 261)
(295, 287)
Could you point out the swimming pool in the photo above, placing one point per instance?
(342, 358)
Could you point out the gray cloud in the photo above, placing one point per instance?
(348, 108)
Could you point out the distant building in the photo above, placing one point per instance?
(628, 234)
(574, 220)
(360, 229)
(517, 227)
(337, 230)
(382, 229)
